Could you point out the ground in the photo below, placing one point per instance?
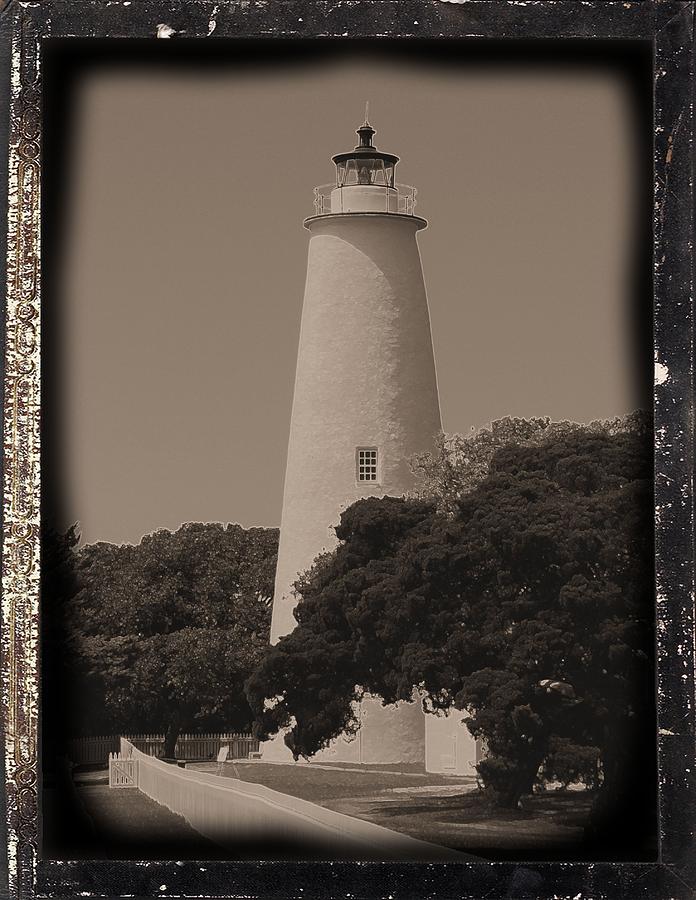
(98, 822)
(324, 783)
(442, 809)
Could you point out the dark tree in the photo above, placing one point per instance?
(59, 585)
(529, 607)
(162, 635)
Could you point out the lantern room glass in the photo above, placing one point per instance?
(364, 170)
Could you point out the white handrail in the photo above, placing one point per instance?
(405, 197)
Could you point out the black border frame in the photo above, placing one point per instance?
(670, 27)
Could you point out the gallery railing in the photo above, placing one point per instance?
(399, 199)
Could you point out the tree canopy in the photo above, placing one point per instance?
(161, 635)
(460, 462)
(523, 598)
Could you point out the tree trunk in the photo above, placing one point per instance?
(624, 813)
(170, 738)
(505, 792)
(524, 783)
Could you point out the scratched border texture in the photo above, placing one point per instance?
(669, 25)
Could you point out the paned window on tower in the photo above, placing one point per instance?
(367, 464)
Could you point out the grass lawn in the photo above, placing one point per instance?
(551, 824)
(405, 768)
(128, 816)
(126, 824)
(98, 822)
(442, 809)
(321, 785)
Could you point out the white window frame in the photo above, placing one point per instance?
(361, 461)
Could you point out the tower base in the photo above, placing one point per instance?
(450, 748)
(388, 735)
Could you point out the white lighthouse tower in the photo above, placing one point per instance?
(365, 391)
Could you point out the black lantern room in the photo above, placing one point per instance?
(365, 164)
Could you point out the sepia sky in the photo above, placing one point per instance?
(183, 265)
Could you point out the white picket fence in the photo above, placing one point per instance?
(228, 811)
(96, 750)
(123, 771)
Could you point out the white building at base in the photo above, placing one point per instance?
(449, 747)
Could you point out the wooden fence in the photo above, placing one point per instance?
(96, 750)
(123, 771)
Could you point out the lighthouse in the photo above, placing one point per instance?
(365, 396)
